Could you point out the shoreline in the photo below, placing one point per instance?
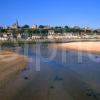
(12, 42)
(88, 47)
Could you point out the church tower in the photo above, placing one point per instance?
(16, 25)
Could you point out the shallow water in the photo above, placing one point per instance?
(55, 75)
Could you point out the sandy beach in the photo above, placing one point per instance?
(93, 47)
(10, 64)
(55, 80)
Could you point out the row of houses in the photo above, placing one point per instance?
(51, 35)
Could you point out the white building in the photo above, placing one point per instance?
(3, 39)
(35, 37)
(51, 32)
(5, 35)
(34, 26)
(19, 36)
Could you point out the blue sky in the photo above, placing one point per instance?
(51, 12)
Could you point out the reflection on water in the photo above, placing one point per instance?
(86, 68)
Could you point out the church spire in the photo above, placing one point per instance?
(17, 24)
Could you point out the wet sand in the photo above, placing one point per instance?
(56, 80)
(10, 65)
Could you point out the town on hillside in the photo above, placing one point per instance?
(17, 32)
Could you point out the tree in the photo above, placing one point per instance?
(97, 31)
(88, 31)
(44, 32)
(26, 26)
(41, 26)
(14, 33)
(3, 30)
(66, 27)
(58, 29)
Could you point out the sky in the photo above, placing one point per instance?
(51, 12)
